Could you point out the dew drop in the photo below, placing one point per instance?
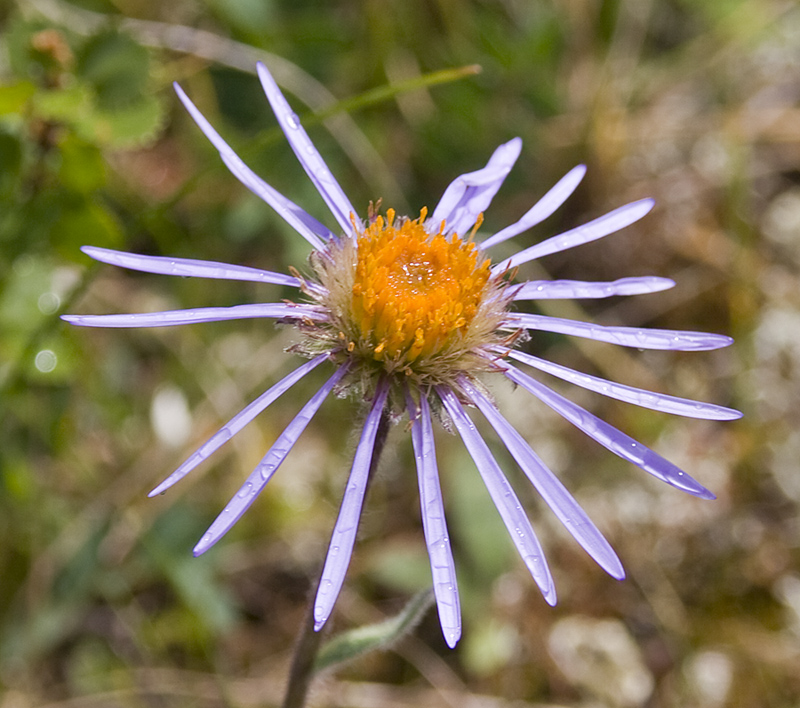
(266, 471)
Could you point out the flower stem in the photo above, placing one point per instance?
(301, 671)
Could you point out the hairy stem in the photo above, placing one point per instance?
(301, 672)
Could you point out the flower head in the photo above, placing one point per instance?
(413, 313)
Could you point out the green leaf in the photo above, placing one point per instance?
(82, 167)
(132, 125)
(13, 97)
(127, 125)
(116, 67)
(356, 642)
(72, 105)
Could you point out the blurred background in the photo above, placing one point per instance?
(692, 102)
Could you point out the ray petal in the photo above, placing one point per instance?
(169, 318)
(637, 396)
(558, 194)
(443, 570)
(549, 487)
(609, 437)
(302, 222)
(503, 496)
(266, 468)
(344, 532)
(471, 193)
(639, 338)
(595, 229)
(235, 424)
(187, 267)
(576, 289)
(312, 162)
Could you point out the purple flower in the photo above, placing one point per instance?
(413, 315)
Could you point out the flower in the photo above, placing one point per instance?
(412, 313)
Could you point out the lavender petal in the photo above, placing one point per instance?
(171, 318)
(595, 229)
(306, 153)
(305, 224)
(266, 468)
(344, 532)
(235, 424)
(609, 437)
(503, 496)
(623, 336)
(575, 289)
(549, 487)
(443, 569)
(471, 193)
(302, 222)
(639, 397)
(187, 267)
(551, 201)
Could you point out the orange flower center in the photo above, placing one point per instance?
(414, 293)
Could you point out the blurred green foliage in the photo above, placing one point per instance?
(101, 602)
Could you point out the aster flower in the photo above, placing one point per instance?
(413, 315)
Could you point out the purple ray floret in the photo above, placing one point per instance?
(602, 226)
(170, 318)
(344, 532)
(470, 194)
(576, 289)
(443, 570)
(637, 396)
(549, 487)
(188, 267)
(235, 424)
(623, 336)
(607, 435)
(503, 496)
(546, 206)
(307, 154)
(267, 467)
(305, 224)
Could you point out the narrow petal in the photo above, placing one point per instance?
(503, 496)
(305, 224)
(637, 396)
(549, 487)
(623, 336)
(598, 228)
(171, 318)
(187, 267)
(607, 435)
(574, 289)
(266, 468)
(235, 424)
(557, 195)
(471, 193)
(344, 532)
(302, 222)
(443, 569)
(307, 154)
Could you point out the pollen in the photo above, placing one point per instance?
(415, 293)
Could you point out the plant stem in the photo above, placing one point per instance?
(301, 671)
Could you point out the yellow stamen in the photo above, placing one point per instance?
(414, 293)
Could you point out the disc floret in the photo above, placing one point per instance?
(408, 298)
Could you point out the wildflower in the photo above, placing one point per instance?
(413, 314)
